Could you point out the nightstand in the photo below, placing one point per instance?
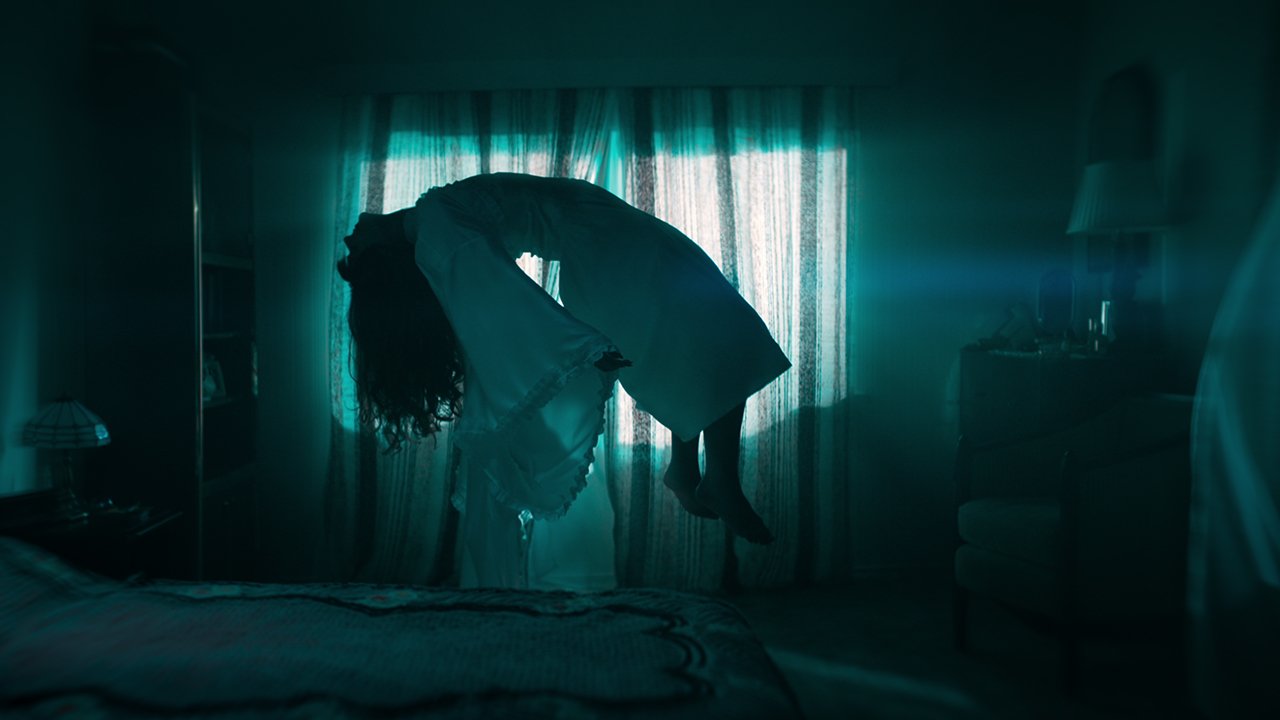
(122, 543)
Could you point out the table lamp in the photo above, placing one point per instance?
(66, 425)
(1121, 202)
(1117, 197)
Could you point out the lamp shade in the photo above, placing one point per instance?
(66, 424)
(1120, 196)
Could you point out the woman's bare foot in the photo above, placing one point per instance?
(683, 481)
(726, 498)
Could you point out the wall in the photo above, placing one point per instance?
(969, 167)
(966, 174)
(358, 46)
(967, 122)
(295, 107)
(41, 278)
(966, 184)
(972, 136)
(1218, 72)
(295, 187)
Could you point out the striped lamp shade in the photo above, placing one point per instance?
(66, 424)
(1117, 196)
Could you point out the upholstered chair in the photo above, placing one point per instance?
(1085, 526)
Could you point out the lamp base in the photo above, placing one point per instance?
(68, 490)
(68, 504)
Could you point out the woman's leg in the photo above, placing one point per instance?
(721, 486)
(682, 475)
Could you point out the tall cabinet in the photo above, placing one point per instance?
(171, 360)
(228, 420)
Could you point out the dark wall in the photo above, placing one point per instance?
(1217, 79)
(45, 203)
(967, 124)
(965, 187)
(967, 120)
(972, 127)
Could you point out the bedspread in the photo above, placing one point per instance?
(76, 645)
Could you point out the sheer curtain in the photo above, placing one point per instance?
(759, 178)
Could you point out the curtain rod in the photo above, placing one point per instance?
(547, 74)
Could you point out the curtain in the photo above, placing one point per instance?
(387, 517)
(759, 178)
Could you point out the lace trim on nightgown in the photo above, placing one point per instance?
(542, 393)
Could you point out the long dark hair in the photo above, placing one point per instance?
(408, 370)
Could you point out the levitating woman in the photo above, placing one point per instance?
(445, 325)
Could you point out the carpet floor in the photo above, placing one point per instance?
(881, 648)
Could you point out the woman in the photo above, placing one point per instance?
(446, 326)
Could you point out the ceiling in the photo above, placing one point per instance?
(387, 45)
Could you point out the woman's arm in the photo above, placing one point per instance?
(513, 335)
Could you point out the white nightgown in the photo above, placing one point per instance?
(533, 401)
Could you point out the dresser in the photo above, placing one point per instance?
(1007, 394)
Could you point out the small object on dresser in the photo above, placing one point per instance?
(1107, 321)
(1017, 332)
(213, 384)
(1097, 340)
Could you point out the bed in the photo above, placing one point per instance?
(78, 645)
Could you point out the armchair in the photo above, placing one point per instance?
(1086, 526)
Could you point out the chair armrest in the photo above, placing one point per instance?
(1026, 466)
(1125, 523)
(1129, 454)
(1012, 465)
